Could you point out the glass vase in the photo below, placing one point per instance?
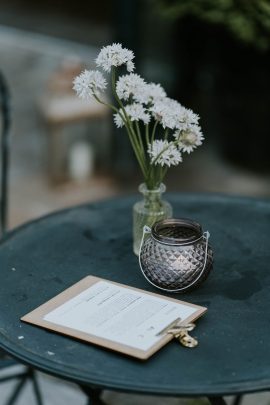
(148, 211)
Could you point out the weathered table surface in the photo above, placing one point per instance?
(42, 258)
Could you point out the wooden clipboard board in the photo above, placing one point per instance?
(36, 317)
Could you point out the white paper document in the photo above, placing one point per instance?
(119, 314)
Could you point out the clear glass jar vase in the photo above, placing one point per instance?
(148, 211)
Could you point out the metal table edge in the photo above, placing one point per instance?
(246, 387)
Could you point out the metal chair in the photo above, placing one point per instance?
(5, 362)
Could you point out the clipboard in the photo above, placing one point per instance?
(80, 294)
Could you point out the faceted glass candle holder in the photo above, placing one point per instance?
(175, 255)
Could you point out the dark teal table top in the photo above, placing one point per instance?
(44, 257)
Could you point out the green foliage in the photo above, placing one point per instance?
(248, 20)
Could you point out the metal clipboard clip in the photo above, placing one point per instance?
(181, 333)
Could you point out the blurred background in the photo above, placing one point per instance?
(211, 55)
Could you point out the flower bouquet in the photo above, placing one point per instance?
(159, 128)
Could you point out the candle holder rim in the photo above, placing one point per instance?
(177, 222)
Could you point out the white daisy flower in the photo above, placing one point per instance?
(130, 66)
(137, 112)
(129, 85)
(118, 120)
(115, 55)
(167, 111)
(164, 153)
(189, 139)
(149, 93)
(88, 83)
(187, 118)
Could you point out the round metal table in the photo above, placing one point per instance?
(44, 257)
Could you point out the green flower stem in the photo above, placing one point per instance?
(138, 145)
(132, 135)
(104, 103)
(163, 173)
(150, 182)
(127, 127)
(137, 125)
(135, 136)
(135, 149)
(147, 134)
(153, 132)
(152, 178)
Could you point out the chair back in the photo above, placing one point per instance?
(4, 152)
